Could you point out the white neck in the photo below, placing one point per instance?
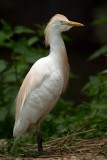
(57, 46)
(58, 53)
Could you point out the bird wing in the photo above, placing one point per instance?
(32, 80)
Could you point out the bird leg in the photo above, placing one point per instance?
(39, 138)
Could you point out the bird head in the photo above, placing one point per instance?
(61, 24)
(57, 24)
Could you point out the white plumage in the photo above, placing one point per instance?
(41, 93)
(46, 80)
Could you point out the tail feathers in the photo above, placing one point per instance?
(20, 128)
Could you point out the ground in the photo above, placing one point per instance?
(64, 148)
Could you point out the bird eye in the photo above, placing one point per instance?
(62, 22)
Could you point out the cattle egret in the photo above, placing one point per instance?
(45, 81)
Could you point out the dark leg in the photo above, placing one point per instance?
(39, 138)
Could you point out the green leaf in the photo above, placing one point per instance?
(21, 46)
(5, 35)
(22, 29)
(3, 65)
(99, 52)
(6, 25)
(100, 20)
(40, 29)
(32, 40)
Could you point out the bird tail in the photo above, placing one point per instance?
(20, 128)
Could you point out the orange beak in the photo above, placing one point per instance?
(74, 24)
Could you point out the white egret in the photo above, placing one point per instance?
(45, 81)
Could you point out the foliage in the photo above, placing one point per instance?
(101, 20)
(96, 89)
(99, 52)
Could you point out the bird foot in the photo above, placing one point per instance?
(45, 153)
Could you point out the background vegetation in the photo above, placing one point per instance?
(87, 120)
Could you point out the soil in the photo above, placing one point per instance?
(64, 148)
